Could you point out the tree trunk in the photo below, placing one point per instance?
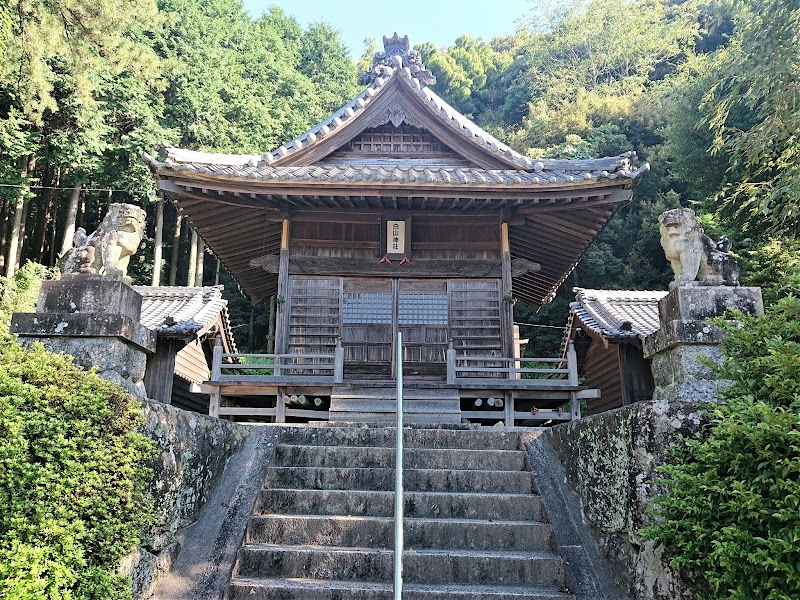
(176, 245)
(158, 241)
(201, 255)
(44, 214)
(191, 276)
(50, 214)
(216, 273)
(4, 208)
(23, 235)
(16, 233)
(69, 225)
(51, 255)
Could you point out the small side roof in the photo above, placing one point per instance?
(614, 314)
(185, 311)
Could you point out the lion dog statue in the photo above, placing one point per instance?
(695, 258)
(108, 250)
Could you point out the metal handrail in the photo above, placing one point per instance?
(398, 478)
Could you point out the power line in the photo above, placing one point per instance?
(48, 187)
(537, 325)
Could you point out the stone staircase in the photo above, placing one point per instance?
(379, 404)
(322, 526)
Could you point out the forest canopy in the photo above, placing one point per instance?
(704, 90)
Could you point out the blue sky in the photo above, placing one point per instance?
(434, 21)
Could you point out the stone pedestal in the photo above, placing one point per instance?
(685, 339)
(96, 320)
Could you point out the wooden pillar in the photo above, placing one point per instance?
(273, 306)
(451, 363)
(160, 372)
(216, 372)
(159, 234)
(282, 318)
(509, 408)
(201, 255)
(192, 274)
(176, 244)
(338, 361)
(280, 405)
(506, 305)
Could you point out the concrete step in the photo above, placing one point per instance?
(390, 393)
(409, 418)
(389, 405)
(468, 505)
(412, 438)
(420, 480)
(413, 458)
(378, 532)
(316, 589)
(379, 405)
(449, 566)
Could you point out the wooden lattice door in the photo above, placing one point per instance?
(422, 319)
(367, 327)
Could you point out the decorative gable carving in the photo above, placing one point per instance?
(390, 141)
(397, 55)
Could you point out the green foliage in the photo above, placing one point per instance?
(774, 265)
(71, 478)
(20, 292)
(731, 514)
(754, 112)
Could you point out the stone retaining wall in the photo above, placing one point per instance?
(193, 451)
(609, 460)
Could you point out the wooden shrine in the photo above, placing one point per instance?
(395, 214)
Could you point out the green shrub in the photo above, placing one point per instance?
(20, 292)
(731, 511)
(72, 478)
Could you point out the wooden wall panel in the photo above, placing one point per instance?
(190, 362)
(602, 372)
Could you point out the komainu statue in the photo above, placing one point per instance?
(108, 250)
(696, 259)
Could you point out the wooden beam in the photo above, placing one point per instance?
(368, 268)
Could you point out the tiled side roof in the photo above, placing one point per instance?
(420, 175)
(617, 314)
(176, 310)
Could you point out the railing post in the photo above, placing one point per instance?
(280, 405)
(398, 478)
(451, 363)
(276, 365)
(572, 367)
(338, 362)
(572, 364)
(213, 402)
(216, 362)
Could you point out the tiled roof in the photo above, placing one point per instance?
(568, 174)
(617, 314)
(446, 114)
(177, 310)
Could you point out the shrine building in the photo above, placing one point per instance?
(396, 215)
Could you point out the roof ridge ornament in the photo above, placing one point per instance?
(397, 55)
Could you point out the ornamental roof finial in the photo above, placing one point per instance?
(396, 55)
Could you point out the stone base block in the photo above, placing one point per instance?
(685, 311)
(680, 375)
(89, 294)
(100, 325)
(116, 359)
